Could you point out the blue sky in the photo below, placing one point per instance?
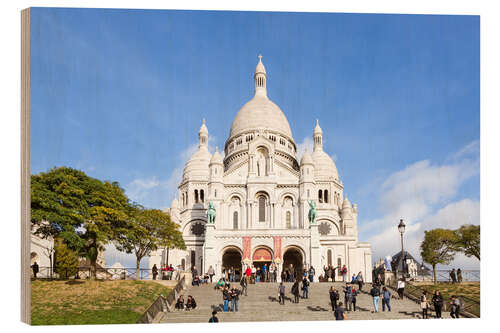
(120, 94)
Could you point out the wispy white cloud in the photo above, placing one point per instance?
(157, 192)
(307, 143)
(423, 194)
(469, 150)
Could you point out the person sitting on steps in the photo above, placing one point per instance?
(180, 303)
(191, 303)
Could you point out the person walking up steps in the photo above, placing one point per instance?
(455, 307)
(375, 293)
(401, 288)
(359, 280)
(437, 301)
(211, 273)
(424, 305)
(334, 296)
(235, 297)
(386, 299)
(348, 296)
(305, 288)
(295, 291)
(339, 312)
(311, 274)
(281, 293)
(226, 297)
(354, 294)
(244, 285)
(214, 318)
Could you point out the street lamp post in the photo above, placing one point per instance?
(401, 228)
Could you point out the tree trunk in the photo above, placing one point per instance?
(137, 272)
(93, 269)
(434, 272)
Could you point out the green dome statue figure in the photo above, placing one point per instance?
(312, 212)
(211, 212)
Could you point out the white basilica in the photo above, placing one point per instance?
(260, 192)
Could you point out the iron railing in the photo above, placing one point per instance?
(162, 303)
(103, 273)
(469, 307)
(444, 276)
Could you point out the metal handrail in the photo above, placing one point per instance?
(102, 273)
(162, 303)
(470, 307)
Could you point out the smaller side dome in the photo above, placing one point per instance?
(174, 204)
(306, 159)
(216, 157)
(346, 204)
(197, 165)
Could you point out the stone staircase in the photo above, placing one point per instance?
(261, 304)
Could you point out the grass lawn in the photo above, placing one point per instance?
(467, 289)
(91, 302)
(470, 290)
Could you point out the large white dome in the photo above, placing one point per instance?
(260, 113)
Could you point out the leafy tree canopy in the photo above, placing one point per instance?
(146, 231)
(469, 240)
(66, 260)
(438, 247)
(83, 211)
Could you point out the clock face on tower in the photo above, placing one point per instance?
(324, 228)
(198, 229)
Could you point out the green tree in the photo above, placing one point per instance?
(66, 260)
(146, 231)
(438, 247)
(83, 211)
(469, 240)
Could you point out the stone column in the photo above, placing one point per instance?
(315, 254)
(250, 216)
(209, 247)
(273, 216)
(295, 219)
(243, 216)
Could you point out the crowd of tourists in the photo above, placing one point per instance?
(437, 301)
(332, 273)
(300, 289)
(167, 272)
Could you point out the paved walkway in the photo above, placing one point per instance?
(261, 304)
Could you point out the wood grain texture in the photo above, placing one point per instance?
(25, 168)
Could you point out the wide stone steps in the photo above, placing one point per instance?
(261, 304)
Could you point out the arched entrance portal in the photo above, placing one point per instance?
(262, 256)
(231, 258)
(293, 262)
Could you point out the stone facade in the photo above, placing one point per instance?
(260, 192)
